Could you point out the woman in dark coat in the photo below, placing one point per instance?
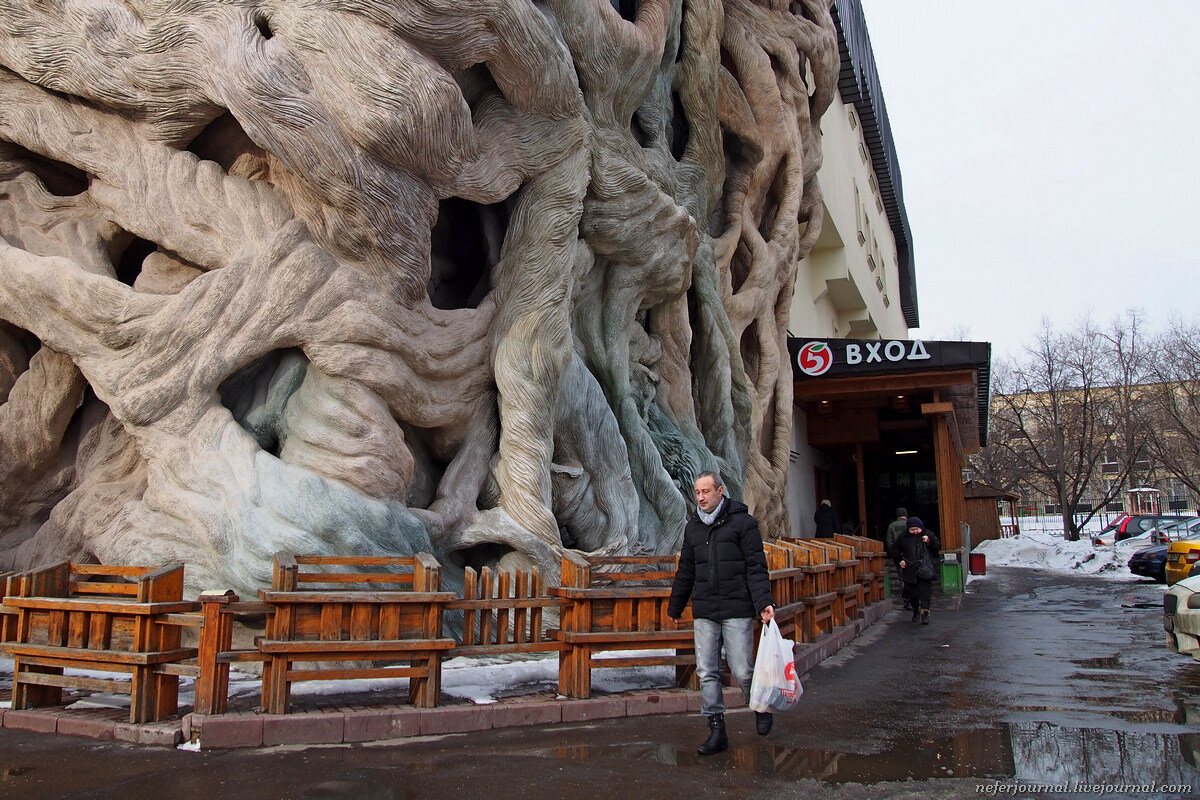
(907, 552)
(827, 520)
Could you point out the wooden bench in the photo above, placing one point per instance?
(377, 624)
(618, 603)
(100, 618)
(848, 584)
(872, 565)
(817, 589)
(787, 587)
(844, 584)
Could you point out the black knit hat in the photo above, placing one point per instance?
(914, 522)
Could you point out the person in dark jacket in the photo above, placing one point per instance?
(826, 519)
(723, 569)
(907, 551)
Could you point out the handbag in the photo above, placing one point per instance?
(775, 686)
(925, 570)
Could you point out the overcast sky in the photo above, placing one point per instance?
(1048, 155)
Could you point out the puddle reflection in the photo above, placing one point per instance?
(1032, 752)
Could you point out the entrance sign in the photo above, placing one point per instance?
(813, 358)
(895, 350)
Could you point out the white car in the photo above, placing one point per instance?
(1181, 617)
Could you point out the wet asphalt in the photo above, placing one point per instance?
(1036, 685)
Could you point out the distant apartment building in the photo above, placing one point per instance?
(1118, 475)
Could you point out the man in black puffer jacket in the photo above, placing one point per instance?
(723, 569)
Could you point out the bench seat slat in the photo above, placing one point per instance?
(100, 606)
(85, 657)
(282, 647)
(657, 638)
(278, 598)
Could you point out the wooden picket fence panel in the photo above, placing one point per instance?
(503, 612)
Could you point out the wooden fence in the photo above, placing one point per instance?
(388, 610)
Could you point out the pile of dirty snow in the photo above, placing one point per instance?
(1043, 547)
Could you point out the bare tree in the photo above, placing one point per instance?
(1058, 412)
(1000, 464)
(1173, 400)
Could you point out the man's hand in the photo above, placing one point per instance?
(903, 563)
(675, 620)
(768, 614)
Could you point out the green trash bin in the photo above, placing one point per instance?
(952, 577)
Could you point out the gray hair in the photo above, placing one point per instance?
(708, 473)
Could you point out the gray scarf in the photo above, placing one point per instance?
(709, 519)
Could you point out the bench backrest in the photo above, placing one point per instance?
(584, 572)
(361, 605)
(141, 584)
(860, 543)
(420, 573)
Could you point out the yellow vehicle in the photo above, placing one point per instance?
(1181, 556)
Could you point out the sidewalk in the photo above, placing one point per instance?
(332, 719)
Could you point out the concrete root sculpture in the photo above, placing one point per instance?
(379, 277)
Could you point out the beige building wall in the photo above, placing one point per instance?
(848, 287)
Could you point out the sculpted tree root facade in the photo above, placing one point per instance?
(383, 277)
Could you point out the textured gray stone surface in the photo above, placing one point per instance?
(484, 279)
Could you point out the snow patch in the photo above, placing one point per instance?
(1041, 545)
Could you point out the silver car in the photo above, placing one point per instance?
(1176, 531)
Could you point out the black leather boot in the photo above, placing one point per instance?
(717, 740)
(763, 720)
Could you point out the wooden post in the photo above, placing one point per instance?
(51, 581)
(216, 636)
(154, 696)
(284, 572)
(862, 486)
(951, 503)
(427, 577)
(574, 661)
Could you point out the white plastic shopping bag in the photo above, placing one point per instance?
(776, 686)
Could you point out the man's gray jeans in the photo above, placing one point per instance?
(738, 638)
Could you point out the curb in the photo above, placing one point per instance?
(354, 724)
